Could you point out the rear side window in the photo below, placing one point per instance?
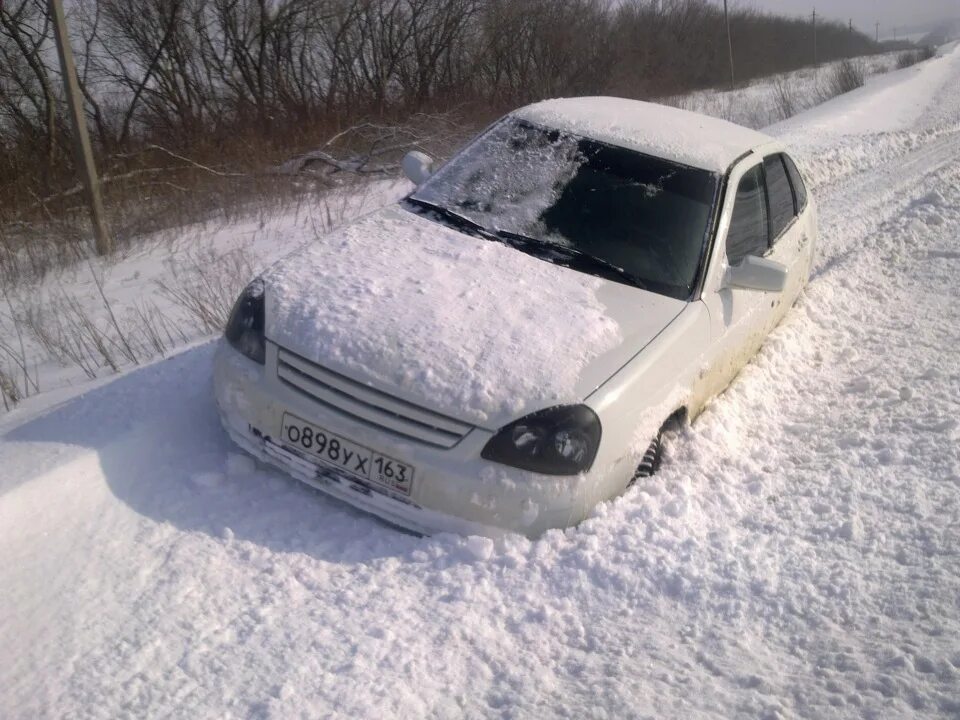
(782, 211)
(748, 226)
(799, 189)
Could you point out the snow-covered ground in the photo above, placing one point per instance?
(767, 100)
(797, 556)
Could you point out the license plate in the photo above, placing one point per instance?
(341, 454)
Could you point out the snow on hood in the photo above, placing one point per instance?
(465, 326)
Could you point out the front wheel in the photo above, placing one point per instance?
(651, 459)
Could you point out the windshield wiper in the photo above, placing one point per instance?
(454, 218)
(551, 252)
(569, 257)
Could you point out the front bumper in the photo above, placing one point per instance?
(454, 490)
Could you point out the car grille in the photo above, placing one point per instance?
(359, 402)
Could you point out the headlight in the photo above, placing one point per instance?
(558, 441)
(245, 327)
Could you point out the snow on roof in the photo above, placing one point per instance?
(685, 137)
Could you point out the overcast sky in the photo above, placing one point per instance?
(889, 13)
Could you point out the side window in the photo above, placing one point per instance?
(799, 189)
(748, 226)
(781, 197)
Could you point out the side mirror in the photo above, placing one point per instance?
(417, 166)
(757, 273)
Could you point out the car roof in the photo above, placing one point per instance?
(682, 136)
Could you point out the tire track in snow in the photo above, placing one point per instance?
(872, 197)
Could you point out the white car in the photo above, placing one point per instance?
(501, 350)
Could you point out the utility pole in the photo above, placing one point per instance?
(815, 63)
(726, 17)
(878, 33)
(78, 120)
(851, 26)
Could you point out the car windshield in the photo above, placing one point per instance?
(597, 208)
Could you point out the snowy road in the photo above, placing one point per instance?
(798, 556)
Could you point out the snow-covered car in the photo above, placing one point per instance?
(502, 349)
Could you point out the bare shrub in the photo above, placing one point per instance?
(750, 111)
(906, 59)
(87, 332)
(70, 333)
(912, 57)
(846, 76)
(89, 343)
(16, 379)
(30, 250)
(205, 284)
(17, 383)
(785, 98)
(9, 392)
(157, 333)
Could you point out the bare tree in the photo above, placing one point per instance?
(152, 52)
(27, 94)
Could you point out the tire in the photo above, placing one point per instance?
(651, 459)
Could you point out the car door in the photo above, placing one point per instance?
(806, 219)
(739, 317)
(788, 237)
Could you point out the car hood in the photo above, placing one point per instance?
(467, 327)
